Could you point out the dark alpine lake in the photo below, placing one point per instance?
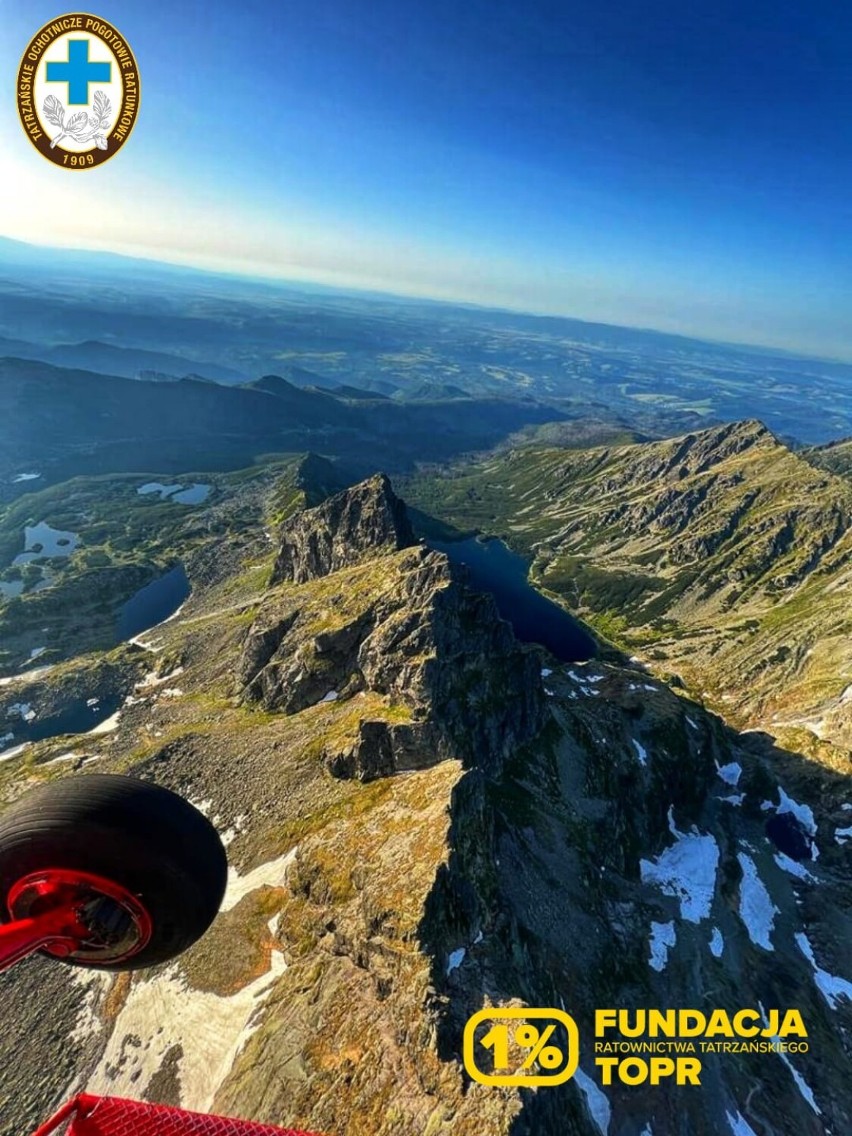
(534, 618)
(153, 603)
(78, 718)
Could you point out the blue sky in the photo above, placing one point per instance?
(685, 166)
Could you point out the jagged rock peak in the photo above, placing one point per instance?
(354, 525)
(742, 434)
(717, 443)
(450, 669)
(317, 478)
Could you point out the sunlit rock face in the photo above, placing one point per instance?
(357, 523)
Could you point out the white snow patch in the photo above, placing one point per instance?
(831, 987)
(137, 641)
(166, 1012)
(36, 653)
(478, 939)
(757, 910)
(546, 672)
(801, 1083)
(641, 752)
(739, 1125)
(691, 723)
(108, 725)
(25, 477)
(153, 679)
(272, 874)
(730, 773)
(26, 676)
(63, 758)
(794, 867)
(663, 938)
(687, 871)
(230, 834)
(332, 696)
(94, 985)
(596, 1101)
(841, 835)
(456, 959)
(735, 799)
(717, 943)
(847, 808)
(15, 751)
(803, 813)
(92, 701)
(21, 710)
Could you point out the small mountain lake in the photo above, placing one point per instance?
(154, 603)
(534, 618)
(78, 717)
(191, 495)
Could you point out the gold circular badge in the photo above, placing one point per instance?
(78, 91)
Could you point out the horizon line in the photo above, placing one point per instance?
(271, 277)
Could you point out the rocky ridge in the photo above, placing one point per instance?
(438, 651)
(720, 556)
(363, 521)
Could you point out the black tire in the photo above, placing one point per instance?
(141, 836)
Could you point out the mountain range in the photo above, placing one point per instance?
(721, 557)
(130, 317)
(68, 422)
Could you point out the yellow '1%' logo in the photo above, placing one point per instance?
(78, 91)
(521, 1046)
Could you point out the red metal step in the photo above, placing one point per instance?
(86, 1115)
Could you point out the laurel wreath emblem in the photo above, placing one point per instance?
(81, 127)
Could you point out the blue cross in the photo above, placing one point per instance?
(78, 72)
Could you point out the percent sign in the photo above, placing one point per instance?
(525, 1037)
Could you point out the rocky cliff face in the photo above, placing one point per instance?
(343, 530)
(423, 640)
(834, 456)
